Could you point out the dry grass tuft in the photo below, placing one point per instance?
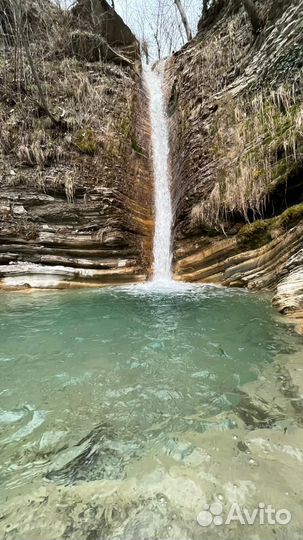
(256, 144)
(37, 148)
(218, 55)
(94, 124)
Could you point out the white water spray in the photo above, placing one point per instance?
(160, 145)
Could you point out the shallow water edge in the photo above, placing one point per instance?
(141, 408)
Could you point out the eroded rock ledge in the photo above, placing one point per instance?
(76, 186)
(235, 109)
(277, 266)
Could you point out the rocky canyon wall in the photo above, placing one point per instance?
(236, 122)
(76, 198)
(76, 186)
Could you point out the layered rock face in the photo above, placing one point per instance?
(235, 108)
(76, 185)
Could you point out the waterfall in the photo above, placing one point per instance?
(163, 209)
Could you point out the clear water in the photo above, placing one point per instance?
(125, 412)
(140, 364)
(154, 80)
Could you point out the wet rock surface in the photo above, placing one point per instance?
(277, 266)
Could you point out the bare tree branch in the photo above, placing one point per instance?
(184, 18)
(159, 22)
(43, 101)
(144, 46)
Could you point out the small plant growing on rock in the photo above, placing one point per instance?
(86, 141)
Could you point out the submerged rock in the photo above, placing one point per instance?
(106, 486)
(99, 455)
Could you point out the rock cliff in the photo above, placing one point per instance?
(235, 108)
(76, 187)
(76, 199)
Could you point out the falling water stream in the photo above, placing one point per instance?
(124, 411)
(154, 80)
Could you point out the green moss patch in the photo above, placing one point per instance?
(86, 141)
(261, 232)
(255, 235)
(291, 217)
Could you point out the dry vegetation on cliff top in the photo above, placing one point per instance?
(237, 103)
(72, 148)
(258, 142)
(83, 114)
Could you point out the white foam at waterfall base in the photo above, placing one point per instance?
(162, 277)
(163, 287)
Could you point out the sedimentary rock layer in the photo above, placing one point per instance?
(235, 109)
(76, 186)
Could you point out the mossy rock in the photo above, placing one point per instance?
(290, 218)
(86, 141)
(261, 232)
(255, 235)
